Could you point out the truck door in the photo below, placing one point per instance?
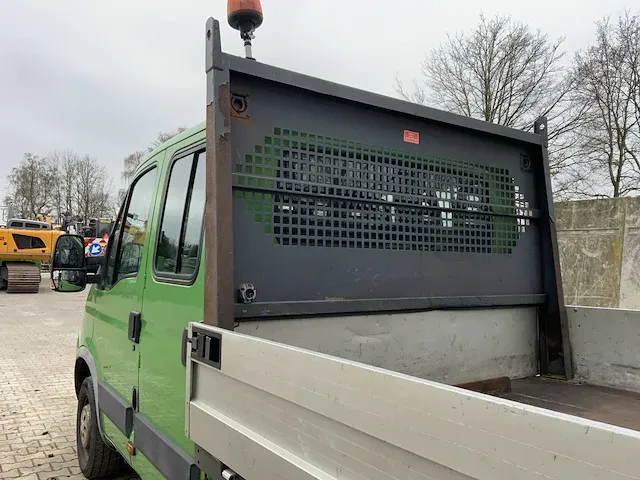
(116, 305)
(172, 298)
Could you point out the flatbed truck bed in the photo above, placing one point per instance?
(277, 411)
(406, 317)
(603, 404)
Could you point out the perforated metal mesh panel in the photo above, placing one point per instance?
(311, 190)
(334, 212)
(346, 202)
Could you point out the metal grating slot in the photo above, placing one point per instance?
(314, 191)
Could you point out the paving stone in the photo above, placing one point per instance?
(37, 395)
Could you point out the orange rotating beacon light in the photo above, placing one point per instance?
(245, 16)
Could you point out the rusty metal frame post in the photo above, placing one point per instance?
(218, 214)
(554, 328)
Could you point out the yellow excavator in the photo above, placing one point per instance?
(24, 245)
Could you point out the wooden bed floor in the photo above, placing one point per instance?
(616, 407)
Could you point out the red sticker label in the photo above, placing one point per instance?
(411, 137)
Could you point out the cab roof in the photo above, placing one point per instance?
(172, 141)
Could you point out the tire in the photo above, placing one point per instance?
(95, 457)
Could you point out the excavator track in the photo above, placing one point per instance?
(22, 277)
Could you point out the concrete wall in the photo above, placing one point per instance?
(599, 243)
(605, 344)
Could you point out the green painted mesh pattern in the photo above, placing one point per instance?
(317, 191)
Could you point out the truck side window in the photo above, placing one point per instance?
(178, 249)
(129, 233)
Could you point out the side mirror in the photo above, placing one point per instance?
(68, 271)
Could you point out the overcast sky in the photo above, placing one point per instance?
(103, 78)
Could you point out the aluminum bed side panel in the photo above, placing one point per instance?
(316, 416)
(453, 347)
(606, 346)
(263, 436)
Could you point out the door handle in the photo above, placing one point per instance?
(183, 349)
(135, 325)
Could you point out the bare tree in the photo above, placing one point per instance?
(132, 161)
(62, 184)
(506, 73)
(57, 194)
(163, 137)
(607, 88)
(65, 163)
(629, 34)
(31, 186)
(9, 211)
(92, 189)
(501, 72)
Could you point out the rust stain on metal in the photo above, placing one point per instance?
(210, 283)
(241, 116)
(225, 137)
(224, 231)
(224, 105)
(218, 290)
(219, 287)
(222, 141)
(491, 386)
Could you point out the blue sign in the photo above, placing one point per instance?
(95, 249)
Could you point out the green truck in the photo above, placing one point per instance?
(322, 283)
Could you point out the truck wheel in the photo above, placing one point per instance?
(96, 458)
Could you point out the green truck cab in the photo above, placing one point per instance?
(149, 288)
